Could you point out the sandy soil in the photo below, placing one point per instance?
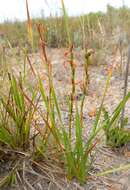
(105, 157)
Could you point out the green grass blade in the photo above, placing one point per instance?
(101, 106)
(66, 21)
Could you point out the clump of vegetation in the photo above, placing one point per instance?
(115, 126)
(115, 132)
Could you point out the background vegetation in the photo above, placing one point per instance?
(97, 30)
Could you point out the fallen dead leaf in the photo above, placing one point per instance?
(92, 113)
(127, 153)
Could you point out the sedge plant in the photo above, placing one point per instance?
(16, 117)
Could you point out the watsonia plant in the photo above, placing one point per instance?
(74, 151)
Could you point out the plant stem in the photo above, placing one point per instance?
(125, 84)
(73, 89)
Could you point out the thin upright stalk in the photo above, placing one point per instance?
(29, 25)
(71, 64)
(82, 21)
(121, 56)
(66, 22)
(47, 64)
(86, 81)
(73, 89)
(125, 84)
(88, 53)
(82, 108)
